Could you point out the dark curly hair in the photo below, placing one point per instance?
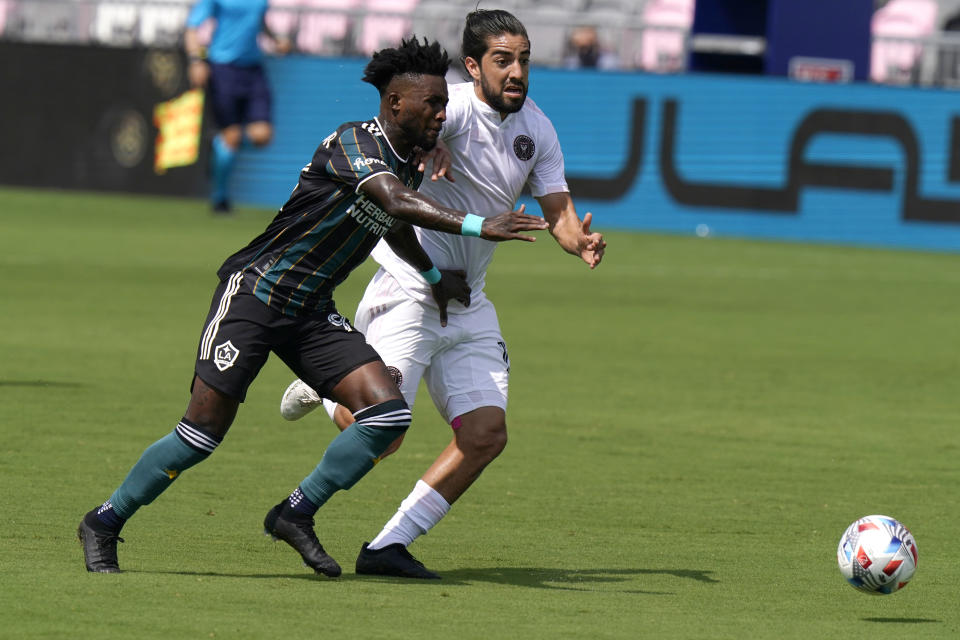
(410, 57)
(487, 23)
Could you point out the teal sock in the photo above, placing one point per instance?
(223, 160)
(354, 451)
(160, 465)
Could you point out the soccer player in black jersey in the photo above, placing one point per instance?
(275, 295)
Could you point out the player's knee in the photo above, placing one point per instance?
(213, 421)
(495, 443)
(210, 410)
(232, 136)
(483, 444)
(384, 423)
(260, 134)
(261, 141)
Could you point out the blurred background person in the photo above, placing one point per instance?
(585, 51)
(237, 90)
(948, 57)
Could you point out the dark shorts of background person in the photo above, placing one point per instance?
(240, 332)
(239, 95)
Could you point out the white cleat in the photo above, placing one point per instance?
(299, 400)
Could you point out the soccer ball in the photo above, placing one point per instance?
(877, 554)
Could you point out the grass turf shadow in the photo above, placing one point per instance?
(902, 620)
(545, 578)
(41, 383)
(534, 578)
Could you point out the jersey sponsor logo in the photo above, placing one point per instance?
(371, 128)
(369, 216)
(338, 320)
(396, 375)
(524, 147)
(360, 163)
(225, 355)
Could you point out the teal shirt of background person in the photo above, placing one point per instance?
(235, 36)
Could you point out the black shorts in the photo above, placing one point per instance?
(241, 331)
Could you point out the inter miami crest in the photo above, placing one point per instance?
(523, 146)
(396, 375)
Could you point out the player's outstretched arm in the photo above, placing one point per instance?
(570, 232)
(410, 206)
(445, 285)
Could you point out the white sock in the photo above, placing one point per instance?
(418, 513)
(330, 406)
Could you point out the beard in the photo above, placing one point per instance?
(428, 140)
(498, 101)
(426, 144)
(425, 139)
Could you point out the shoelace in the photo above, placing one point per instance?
(410, 557)
(108, 553)
(308, 397)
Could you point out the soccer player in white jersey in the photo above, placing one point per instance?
(498, 141)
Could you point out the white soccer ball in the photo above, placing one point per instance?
(877, 554)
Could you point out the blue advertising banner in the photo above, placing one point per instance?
(709, 154)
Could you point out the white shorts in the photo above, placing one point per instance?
(465, 364)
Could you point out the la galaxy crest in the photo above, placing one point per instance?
(224, 355)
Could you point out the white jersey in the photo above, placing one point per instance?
(491, 160)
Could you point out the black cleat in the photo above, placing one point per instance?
(99, 548)
(392, 560)
(300, 535)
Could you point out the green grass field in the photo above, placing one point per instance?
(693, 425)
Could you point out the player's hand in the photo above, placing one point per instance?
(507, 226)
(592, 245)
(452, 286)
(199, 73)
(440, 157)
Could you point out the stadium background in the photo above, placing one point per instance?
(664, 143)
(693, 424)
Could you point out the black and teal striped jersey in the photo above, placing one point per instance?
(328, 227)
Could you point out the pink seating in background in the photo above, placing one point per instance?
(379, 31)
(664, 50)
(325, 31)
(891, 61)
(281, 19)
(4, 6)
